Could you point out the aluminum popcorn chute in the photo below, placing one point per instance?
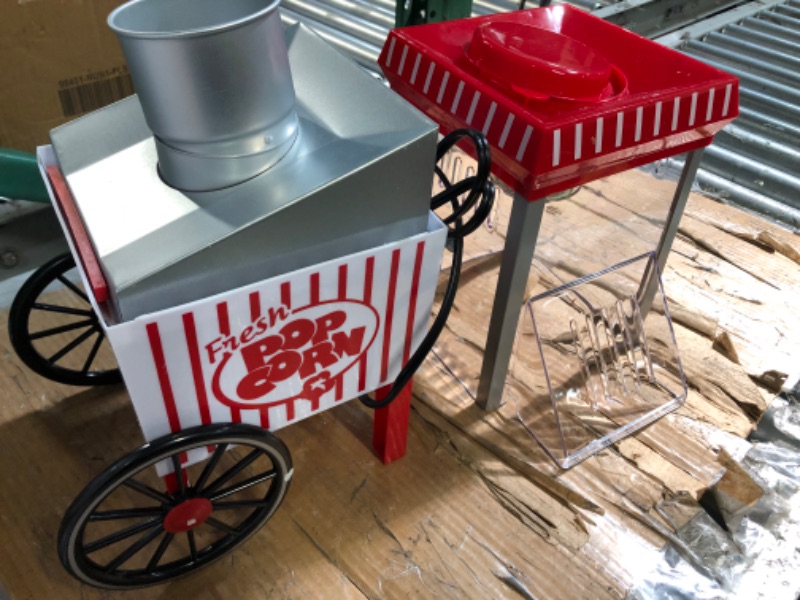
(230, 112)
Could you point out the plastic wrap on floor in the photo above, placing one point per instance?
(781, 423)
(758, 557)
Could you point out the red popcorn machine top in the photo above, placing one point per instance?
(563, 99)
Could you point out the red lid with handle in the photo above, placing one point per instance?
(539, 63)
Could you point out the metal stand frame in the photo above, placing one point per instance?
(523, 231)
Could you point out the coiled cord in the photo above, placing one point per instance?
(479, 191)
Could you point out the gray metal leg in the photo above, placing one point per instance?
(523, 229)
(687, 177)
(678, 204)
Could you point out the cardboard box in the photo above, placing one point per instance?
(58, 61)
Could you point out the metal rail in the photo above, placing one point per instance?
(756, 161)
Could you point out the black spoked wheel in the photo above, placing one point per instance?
(55, 331)
(129, 529)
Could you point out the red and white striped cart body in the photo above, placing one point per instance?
(273, 352)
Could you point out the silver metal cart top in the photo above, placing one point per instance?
(358, 175)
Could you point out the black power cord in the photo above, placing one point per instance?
(479, 191)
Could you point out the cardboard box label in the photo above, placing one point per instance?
(93, 90)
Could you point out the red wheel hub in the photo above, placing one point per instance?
(187, 515)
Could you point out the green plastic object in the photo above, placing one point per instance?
(419, 12)
(20, 178)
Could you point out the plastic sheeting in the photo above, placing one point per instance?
(759, 556)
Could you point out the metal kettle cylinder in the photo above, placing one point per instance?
(215, 85)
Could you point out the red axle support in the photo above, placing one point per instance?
(390, 429)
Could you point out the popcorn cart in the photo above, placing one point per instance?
(253, 235)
